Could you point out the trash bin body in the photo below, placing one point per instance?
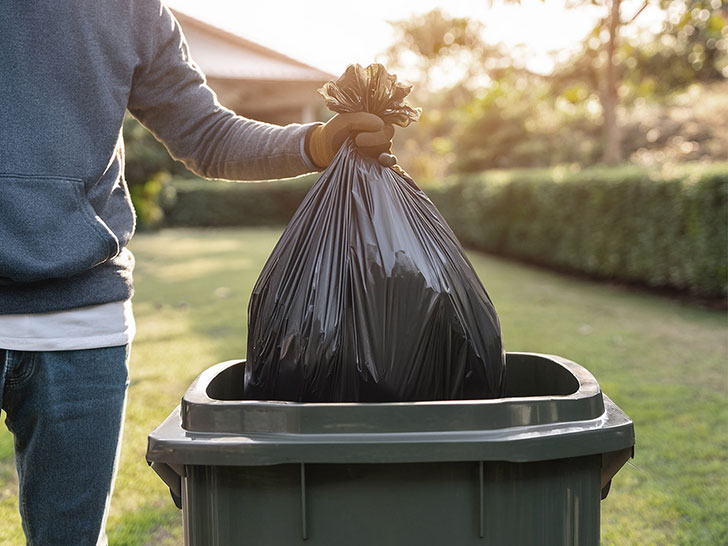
(527, 469)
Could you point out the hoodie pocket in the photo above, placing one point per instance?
(48, 229)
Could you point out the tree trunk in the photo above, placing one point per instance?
(609, 94)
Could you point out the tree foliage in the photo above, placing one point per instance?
(692, 47)
(146, 157)
(501, 115)
(147, 171)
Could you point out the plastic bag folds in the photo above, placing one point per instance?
(368, 296)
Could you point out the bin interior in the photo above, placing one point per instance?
(525, 376)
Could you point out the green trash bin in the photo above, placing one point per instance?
(526, 469)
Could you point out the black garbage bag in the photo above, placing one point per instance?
(368, 296)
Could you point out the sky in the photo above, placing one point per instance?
(331, 35)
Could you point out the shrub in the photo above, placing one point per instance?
(215, 203)
(149, 198)
(664, 228)
(147, 171)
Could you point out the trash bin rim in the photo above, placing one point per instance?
(587, 386)
(201, 413)
(171, 444)
(560, 427)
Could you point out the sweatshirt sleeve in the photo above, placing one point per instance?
(170, 97)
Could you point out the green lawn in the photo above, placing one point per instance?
(665, 363)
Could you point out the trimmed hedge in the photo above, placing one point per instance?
(215, 203)
(664, 228)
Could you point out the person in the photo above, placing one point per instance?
(68, 72)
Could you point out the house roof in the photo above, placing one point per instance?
(222, 54)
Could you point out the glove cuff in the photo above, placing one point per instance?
(312, 146)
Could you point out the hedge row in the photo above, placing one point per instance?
(664, 228)
(214, 203)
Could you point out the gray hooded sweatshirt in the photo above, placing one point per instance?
(69, 69)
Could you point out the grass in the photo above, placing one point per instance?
(662, 361)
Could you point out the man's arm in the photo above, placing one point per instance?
(169, 96)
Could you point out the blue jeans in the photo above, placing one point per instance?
(65, 410)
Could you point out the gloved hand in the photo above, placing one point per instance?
(372, 137)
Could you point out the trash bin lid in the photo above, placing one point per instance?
(553, 409)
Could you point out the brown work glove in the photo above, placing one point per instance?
(372, 137)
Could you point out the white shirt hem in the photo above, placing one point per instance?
(62, 344)
(94, 327)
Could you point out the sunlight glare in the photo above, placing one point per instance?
(332, 36)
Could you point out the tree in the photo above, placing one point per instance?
(691, 47)
(447, 61)
(434, 37)
(603, 72)
(500, 115)
(609, 92)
